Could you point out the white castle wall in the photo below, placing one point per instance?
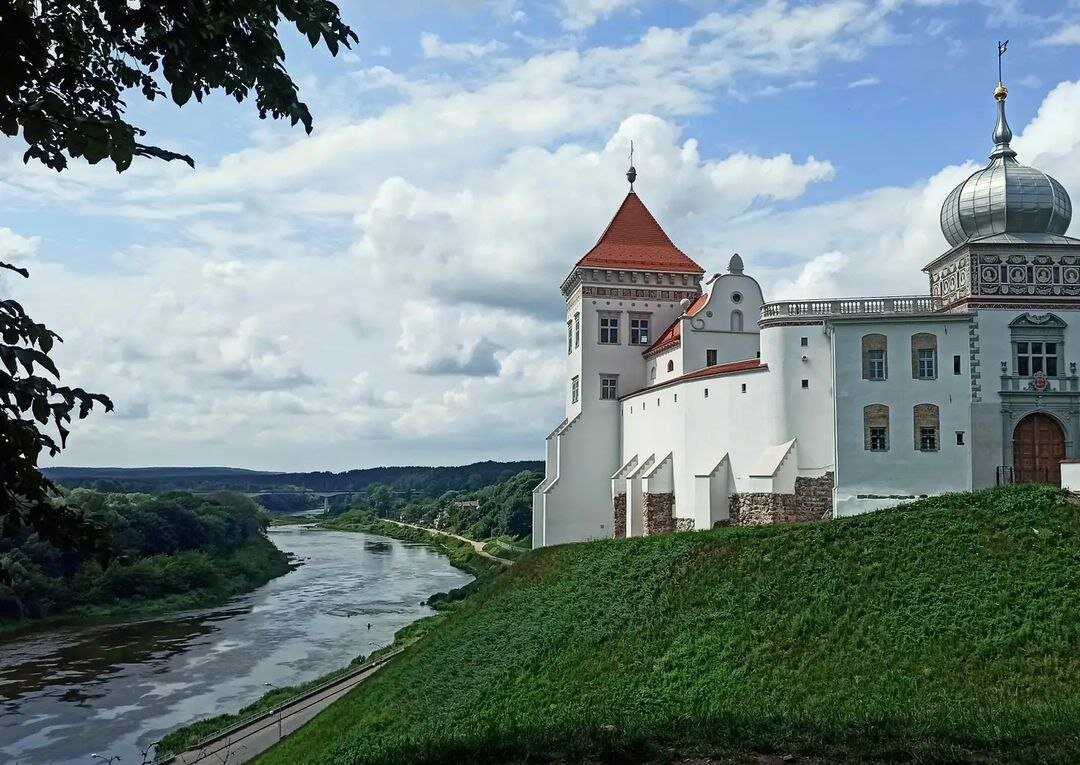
(902, 470)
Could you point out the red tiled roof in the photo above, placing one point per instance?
(673, 334)
(717, 370)
(634, 240)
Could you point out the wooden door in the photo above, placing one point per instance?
(1038, 448)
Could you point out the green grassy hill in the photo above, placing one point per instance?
(948, 630)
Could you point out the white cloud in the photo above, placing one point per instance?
(1067, 35)
(864, 82)
(434, 46)
(17, 249)
(577, 15)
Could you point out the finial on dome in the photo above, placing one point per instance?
(735, 265)
(631, 174)
(1002, 132)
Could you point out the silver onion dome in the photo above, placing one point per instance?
(1006, 200)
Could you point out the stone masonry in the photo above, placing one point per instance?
(812, 501)
(684, 524)
(619, 504)
(659, 518)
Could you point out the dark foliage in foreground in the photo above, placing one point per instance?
(945, 631)
(66, 66)
(191, 549)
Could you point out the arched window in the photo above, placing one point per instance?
(924, 356)
(875, 363)
(652, 373)
(876, 427)
(671, 366)
(927, 427)
(736, 321)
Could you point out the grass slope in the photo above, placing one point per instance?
(946, 630)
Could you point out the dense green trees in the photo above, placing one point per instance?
(503, 509)
(172, 545)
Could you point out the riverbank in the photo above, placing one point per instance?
(944, 631)
(458, 553)
(189, 580)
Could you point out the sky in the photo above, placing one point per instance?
(386, 290)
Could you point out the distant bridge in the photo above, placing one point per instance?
(270, 492)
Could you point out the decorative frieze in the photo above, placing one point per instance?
(638, 293)
(971, 274)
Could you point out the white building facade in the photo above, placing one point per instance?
(692, 402)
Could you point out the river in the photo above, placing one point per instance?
(116, 688)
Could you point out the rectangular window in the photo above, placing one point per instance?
(706, 393)
(876, 365)
(959, 438)
(609, 329)
(804, 341)
(879, 439)
(928, 439)
(805, 384)
(577, 330)
(1034, 357)
(609, 387)
(575, 389)
(710, 357)
(744, 387)
(927, 364)
(956, 365)
(639, 330)
(569, 337)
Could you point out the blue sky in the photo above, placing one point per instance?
(386, 289)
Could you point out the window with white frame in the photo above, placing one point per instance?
(609, 329)
(924, 356)
(1033, 356)
(577, 330)
(609, 387)
(639, 329)
(874, 357)
(569, 337)
(575, 389)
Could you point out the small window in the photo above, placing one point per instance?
(609, 329)
(874, 357)
(575, 389)
(744, 387)
(676, 398)
(609, 385)
(710, 357)
(959, 438)
(671, 366)
(639, 330)
(706, 393)
(569, 337)
(652, 373)
(956, 365)
(736, 297)
(924, 356)
(805, 384)
(876, 427)
(926, 427)
(804, 341)
(577, 330)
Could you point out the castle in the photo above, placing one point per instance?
(692, 402)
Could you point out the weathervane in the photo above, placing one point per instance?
(1002, 47)
(631, 174)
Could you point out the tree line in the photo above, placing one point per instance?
(175, 545)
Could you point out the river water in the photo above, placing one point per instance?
(116, 688)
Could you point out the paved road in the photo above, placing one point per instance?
(246, 743)
(478, 546)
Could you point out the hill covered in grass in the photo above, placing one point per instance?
(945, 630)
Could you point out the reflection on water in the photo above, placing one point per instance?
(116, 688)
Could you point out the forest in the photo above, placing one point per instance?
(175, 550)
(502, 509)
(411, 480)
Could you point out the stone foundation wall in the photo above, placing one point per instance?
(761, 508)
(812, 501)
(814, 498)
(619, 504)
(659, 518)
(684, 524)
